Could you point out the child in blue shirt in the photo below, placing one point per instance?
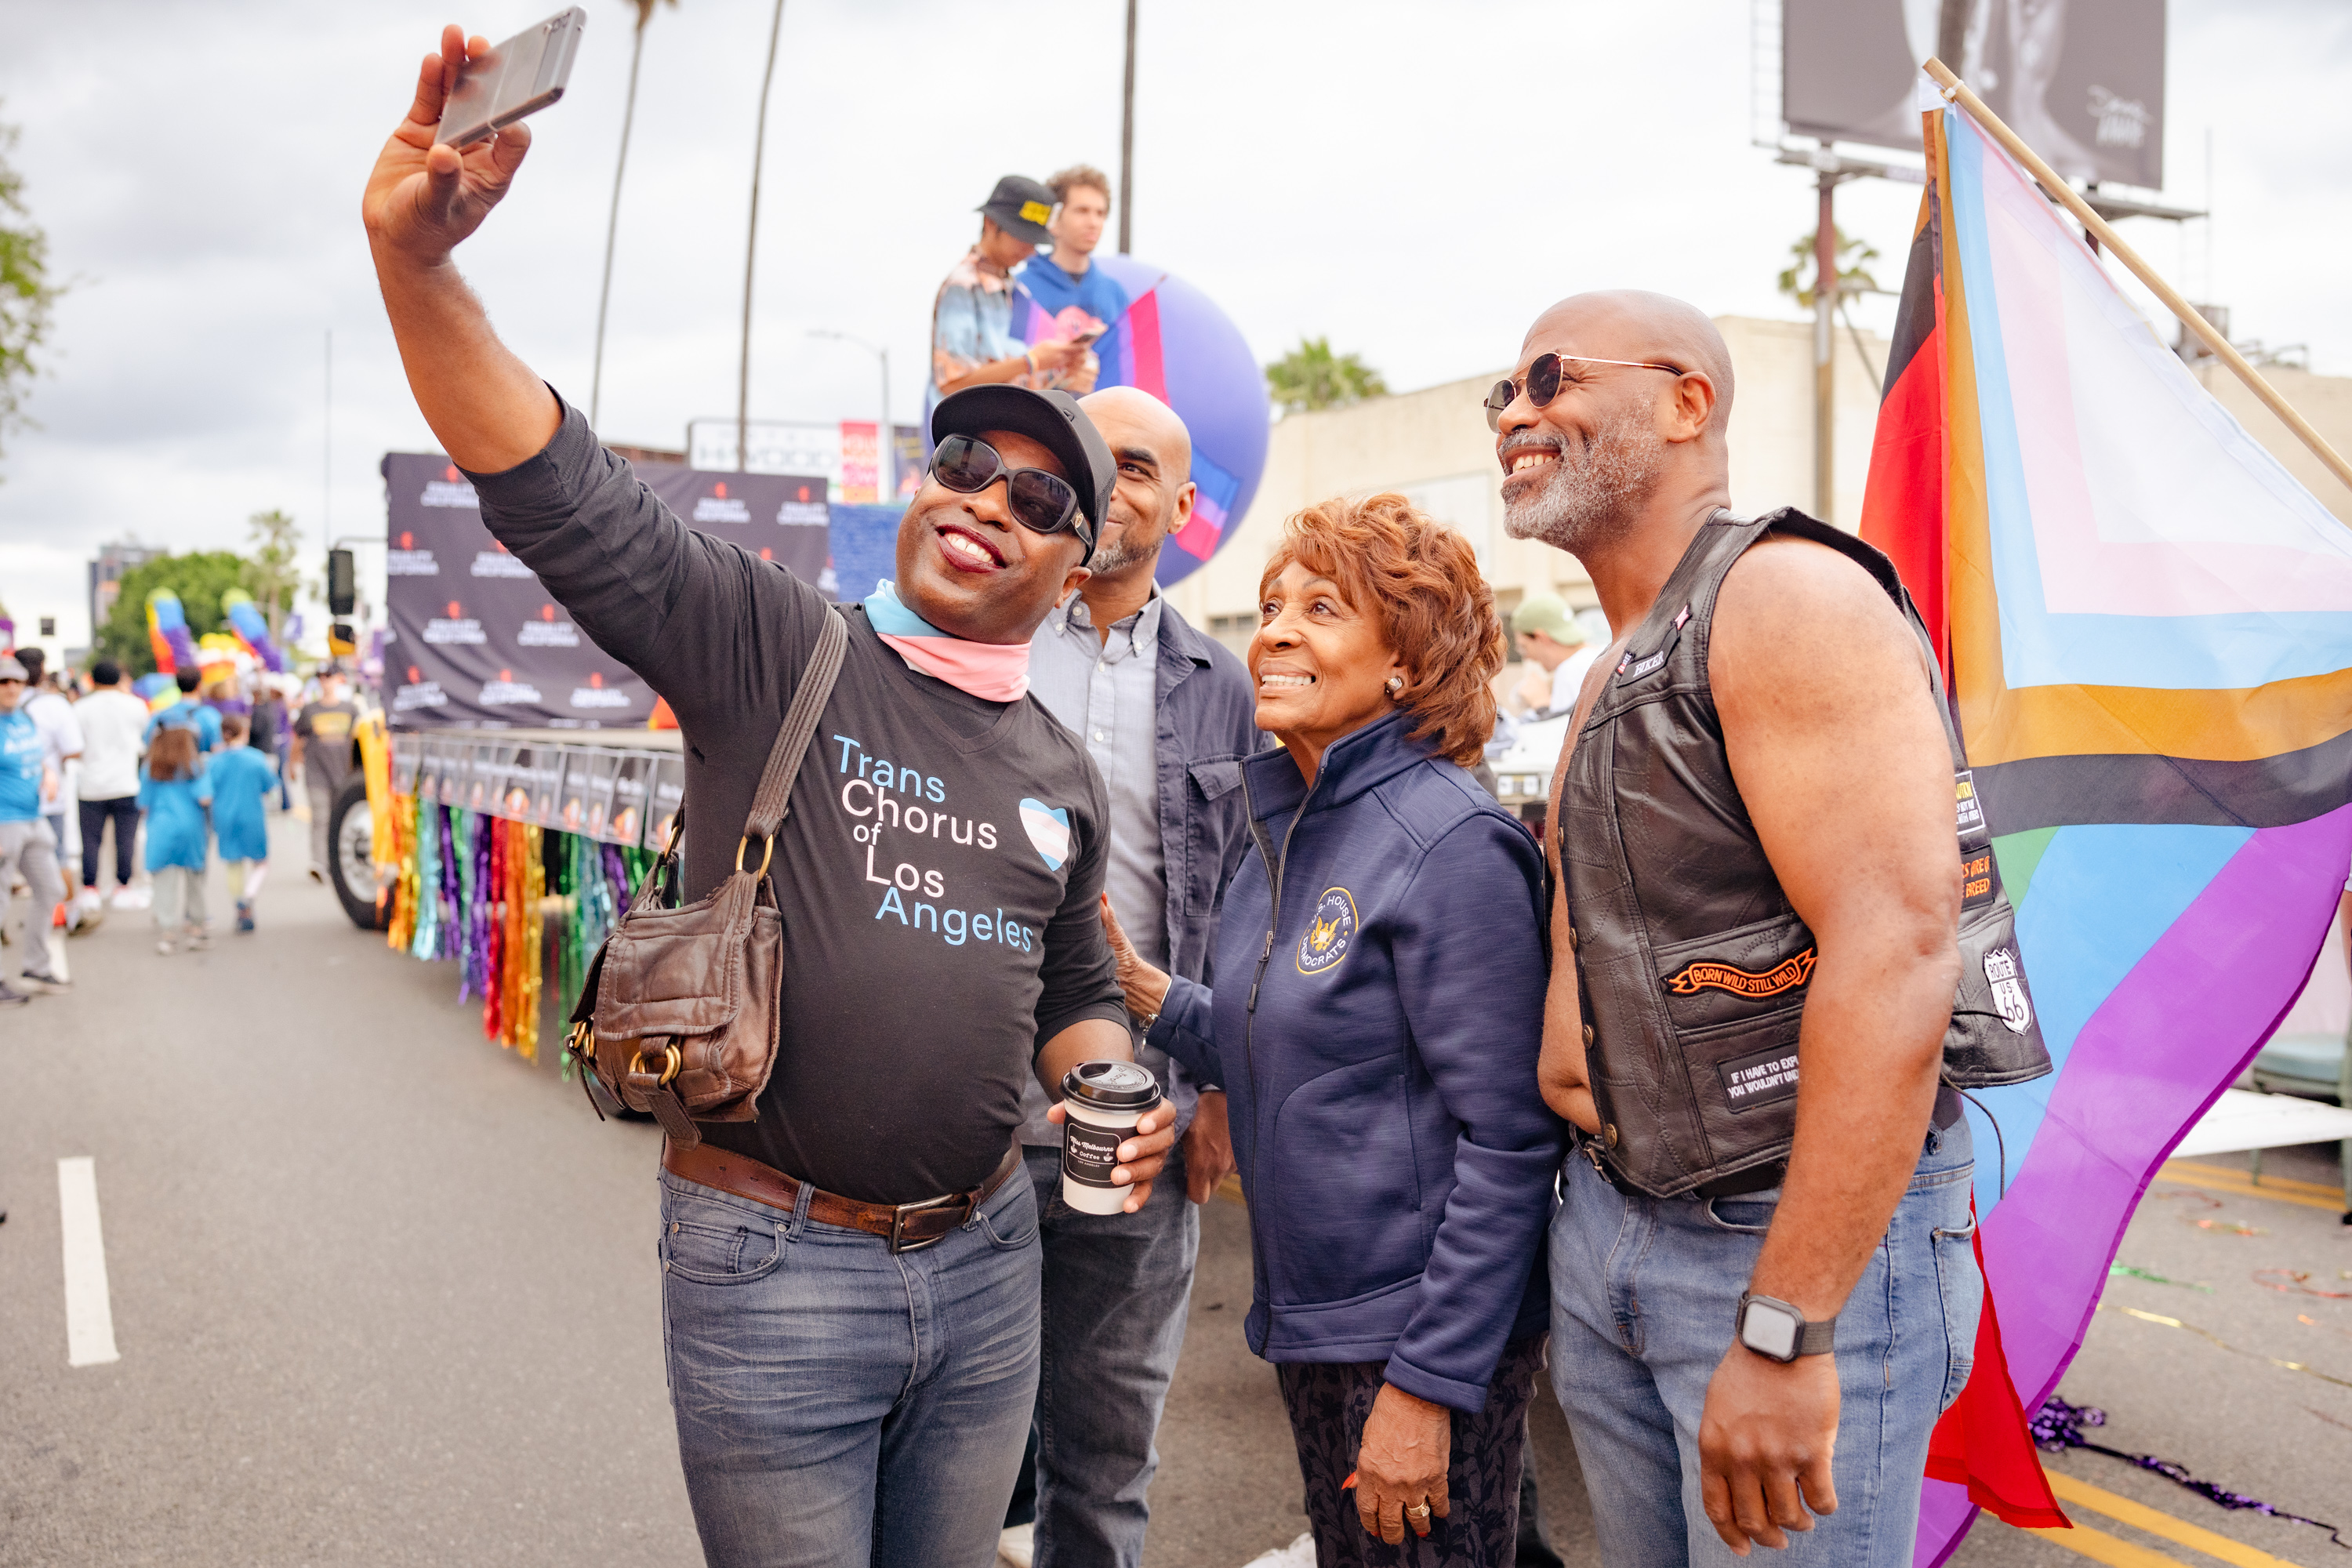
(242, 778)
(173, 792)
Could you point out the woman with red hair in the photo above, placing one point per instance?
(1375, 1020)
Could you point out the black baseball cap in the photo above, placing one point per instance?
(1051, 419)
(1020, 206)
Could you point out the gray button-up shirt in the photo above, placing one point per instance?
(1104, 690)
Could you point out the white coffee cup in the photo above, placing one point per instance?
(1104, 1101)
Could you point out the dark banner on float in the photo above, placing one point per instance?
(474, 640)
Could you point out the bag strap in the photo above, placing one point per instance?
(773, 801)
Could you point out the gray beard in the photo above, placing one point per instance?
(1593, 492)
(1117, 556)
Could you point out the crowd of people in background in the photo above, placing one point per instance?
(85, 759)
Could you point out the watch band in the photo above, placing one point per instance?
(1811, 1339)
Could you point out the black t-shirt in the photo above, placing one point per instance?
(940, 868)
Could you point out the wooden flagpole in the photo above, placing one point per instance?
(1957, 90)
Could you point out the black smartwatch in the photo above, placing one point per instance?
(1777, 1332)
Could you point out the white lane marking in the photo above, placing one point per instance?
(90, 1310)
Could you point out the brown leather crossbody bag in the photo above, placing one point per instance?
(680, 1012)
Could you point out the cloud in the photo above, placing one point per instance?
(1415, 182)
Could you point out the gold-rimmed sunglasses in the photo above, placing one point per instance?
(1544, 377)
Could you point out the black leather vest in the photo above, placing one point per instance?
(1692, 966)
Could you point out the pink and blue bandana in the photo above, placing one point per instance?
(998, 672)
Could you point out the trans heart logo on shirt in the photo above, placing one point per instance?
(1048, 827)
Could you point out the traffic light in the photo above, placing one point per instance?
(343, 583)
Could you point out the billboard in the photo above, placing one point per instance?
(2081, 81)
(474, 639)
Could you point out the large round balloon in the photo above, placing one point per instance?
(1172, 342)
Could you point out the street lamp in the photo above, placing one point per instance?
(886, 456)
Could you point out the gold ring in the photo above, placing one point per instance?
(1421, 1512)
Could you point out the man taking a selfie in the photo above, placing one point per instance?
(850, 1281)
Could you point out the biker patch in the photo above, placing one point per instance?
(1977, 884)
(2008, 990)
(1762, 1078)
(1632, 668)
(1709, 975)
(1970, 809)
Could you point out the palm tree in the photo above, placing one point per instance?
(612, 224)
(1854, 259)
(750, 242)
(1311, 376)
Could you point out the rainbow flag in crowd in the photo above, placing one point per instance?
(2147, 625)
(1134, 352)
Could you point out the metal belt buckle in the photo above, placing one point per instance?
(899, 1242)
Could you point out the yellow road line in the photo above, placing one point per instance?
(2155, 1522)
(2241, 1188)
(2287, 1184)
(2100, 1547)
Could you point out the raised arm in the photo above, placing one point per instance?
(487, 407)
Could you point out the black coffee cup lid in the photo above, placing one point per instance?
(1111, 1085)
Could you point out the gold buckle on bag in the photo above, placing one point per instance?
(767, 853)
(671, 1062)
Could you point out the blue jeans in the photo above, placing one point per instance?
(1115, 1293)
(1644, 1293)
(838, 1405)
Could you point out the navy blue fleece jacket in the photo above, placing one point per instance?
(1380, 970)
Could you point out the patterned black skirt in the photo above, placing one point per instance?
(1329, 1403)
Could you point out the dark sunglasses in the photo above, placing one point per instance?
(1544, 378)
(1041, 502)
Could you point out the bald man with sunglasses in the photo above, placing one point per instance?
(850, 1282)
(1762, 1290)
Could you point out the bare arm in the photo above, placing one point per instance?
(487, 407)
(1049, 355)
(1831, 732)
(1836, 724)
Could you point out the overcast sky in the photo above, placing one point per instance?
(1413, 181)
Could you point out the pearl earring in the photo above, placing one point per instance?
(1396, 686)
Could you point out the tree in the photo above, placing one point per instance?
(1852, 255)
(1852, 278)
(645, 9)
(26, 291)
(199, 579)
(1311, 376)
(272, 577)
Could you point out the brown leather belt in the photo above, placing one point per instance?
(907, 1226)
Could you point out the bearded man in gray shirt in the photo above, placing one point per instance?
(1166, 714)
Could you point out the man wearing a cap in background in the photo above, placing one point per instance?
(1558, 654)
(971, 317)
(27, 847)
(850, 1289)
(1085, 299)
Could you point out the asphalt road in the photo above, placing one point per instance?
(385, 1294)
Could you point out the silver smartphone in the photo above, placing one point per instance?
(520, 77)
